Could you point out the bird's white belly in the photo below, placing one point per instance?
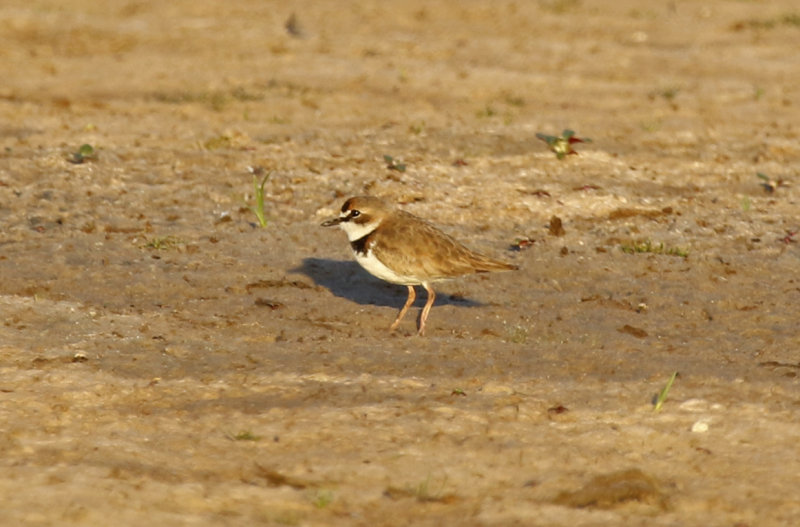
(376, 268)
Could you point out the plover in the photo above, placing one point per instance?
(401, 248)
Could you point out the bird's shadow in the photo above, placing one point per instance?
(347, 279)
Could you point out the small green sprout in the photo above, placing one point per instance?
(425, 493)
(244, 435)
(322, 498)
(417, 128)
(649, 247)
(769, 184)
(789, 19)
(85, 153)
(562, 145)
(662, 395)
(669, 93)
(561, 7)
(514, 100)
(486, 111)
(216, 143)
(163, 243)
(394, 164)
(258, 191)
(516, 334)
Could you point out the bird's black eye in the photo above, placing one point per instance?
(355, 213)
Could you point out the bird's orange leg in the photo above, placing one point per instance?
(427, 308)
(412, 295)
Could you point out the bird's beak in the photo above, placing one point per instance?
(331, 223)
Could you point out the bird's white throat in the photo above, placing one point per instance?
(356, 231)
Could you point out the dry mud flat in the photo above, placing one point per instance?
(165, 361)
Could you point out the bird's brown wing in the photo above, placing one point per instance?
(416, 248)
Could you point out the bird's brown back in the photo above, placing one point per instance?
(433, 255)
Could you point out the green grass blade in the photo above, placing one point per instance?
(662, 396)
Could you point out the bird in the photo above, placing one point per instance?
(401, 248)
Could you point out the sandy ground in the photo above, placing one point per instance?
(165, 360)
